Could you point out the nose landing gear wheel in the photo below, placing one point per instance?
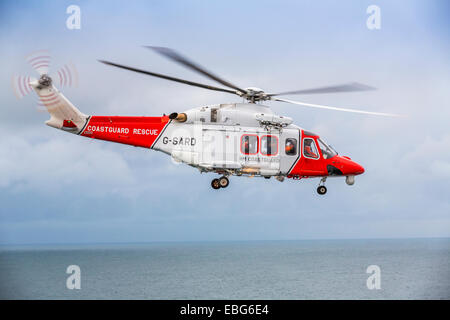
(321, 190)
(215, 184)
(224, 182)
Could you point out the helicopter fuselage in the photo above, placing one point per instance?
(229, 139)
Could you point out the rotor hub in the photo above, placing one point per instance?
(254, 94)
(45, 80)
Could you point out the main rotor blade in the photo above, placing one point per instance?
(191, 83)
(171, 54)
(337, 109)
(349, 87)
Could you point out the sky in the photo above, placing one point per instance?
(61, 188)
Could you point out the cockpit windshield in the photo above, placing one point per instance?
(327, 151)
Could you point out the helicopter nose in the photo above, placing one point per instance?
(350, 167)
(357, 169)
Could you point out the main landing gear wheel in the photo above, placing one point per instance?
(224, 182)
(215, 184)
(321, 190)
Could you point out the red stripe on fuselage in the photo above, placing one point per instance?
(135, 131)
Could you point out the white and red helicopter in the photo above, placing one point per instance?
(232, 139)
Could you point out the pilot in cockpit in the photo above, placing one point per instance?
(309, 149)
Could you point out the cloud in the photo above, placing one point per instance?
(430, 159)
(60, 164)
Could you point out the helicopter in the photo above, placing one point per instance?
(230, 139)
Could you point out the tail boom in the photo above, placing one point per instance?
(135, 131)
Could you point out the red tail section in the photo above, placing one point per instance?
(135, 131)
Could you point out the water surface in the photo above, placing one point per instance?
(316, 269)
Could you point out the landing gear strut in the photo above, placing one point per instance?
(222, 182)
(321, 189)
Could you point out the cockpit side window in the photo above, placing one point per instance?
(310, 149)
(327, 151)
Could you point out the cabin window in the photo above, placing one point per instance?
(310, 149)
(249, 144)
(269, 145)
(214, 115)
(291, 146)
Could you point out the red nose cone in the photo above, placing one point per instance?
(349, 167)
(358, 169)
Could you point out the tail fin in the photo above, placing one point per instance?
(63, 114)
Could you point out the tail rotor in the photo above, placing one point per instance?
(67, 76)
(21, 85)
(40, 61)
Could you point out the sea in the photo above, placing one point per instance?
(304, 269)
